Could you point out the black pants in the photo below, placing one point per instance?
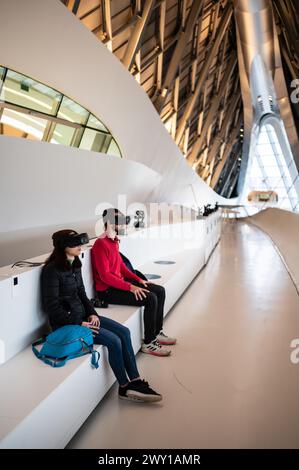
(153, 306)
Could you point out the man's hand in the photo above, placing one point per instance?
(145, 283)
(139, 292)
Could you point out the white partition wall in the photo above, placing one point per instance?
(52, 184)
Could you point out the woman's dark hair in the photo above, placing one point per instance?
(58, 255)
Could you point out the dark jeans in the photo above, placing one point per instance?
(117, 339)
(153, 306)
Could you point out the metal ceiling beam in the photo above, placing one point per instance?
(184, 10)
(229, 117)
(176, 91)
(76, 6)
(224, 22)
(219, 71)
(196, 52)
(216, 100)
(232, 140)
(123, 27)
(159, 67)
(233, 162)
(289, 24)
(107, 24)
(183, 39)
(215, 14)
(233, 183)
(289, 60)
(137, 33)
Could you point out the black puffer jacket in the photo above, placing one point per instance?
(63, 296)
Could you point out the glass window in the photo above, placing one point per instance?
(24, 91)
(2, 72)
(96, 124)
(72, 111)
(113, 149)
(263, 138)
(30, 109)
(268, 169)
(31, 127)
(63, 135)
(255, 170)
(95, 141)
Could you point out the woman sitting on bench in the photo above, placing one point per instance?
(65, 301)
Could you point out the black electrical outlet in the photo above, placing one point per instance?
(15, 281)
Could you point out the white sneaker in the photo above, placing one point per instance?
(162, 338)
(155, 349)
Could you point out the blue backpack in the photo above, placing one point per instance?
(67, 342)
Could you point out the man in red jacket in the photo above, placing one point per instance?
(116, 284)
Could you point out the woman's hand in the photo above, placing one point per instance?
(94, 320)
(92, 327)
(139, 292)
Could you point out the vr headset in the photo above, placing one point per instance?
(116, 218)
(122, 220)
(74, 239)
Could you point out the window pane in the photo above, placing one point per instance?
(263, 138)
(63, 135)
(22, 125)
(114, 149)
(2, 70)
(96, 124)
(93, 140)
(274, 172)
(24, 91)
(72, 111)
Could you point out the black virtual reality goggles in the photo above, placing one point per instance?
(72, 240)
(122, 220)
(116, 218)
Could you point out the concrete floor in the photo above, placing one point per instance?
(230, 382)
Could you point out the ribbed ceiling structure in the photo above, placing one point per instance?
(184, 55)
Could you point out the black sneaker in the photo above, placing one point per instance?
(139, 390)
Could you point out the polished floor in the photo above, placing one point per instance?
(230, 382)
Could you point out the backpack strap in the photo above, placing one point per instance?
(37, 343)
(95, 355)
(61, 362)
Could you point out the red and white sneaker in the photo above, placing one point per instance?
(155, 349)
(165, 340)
